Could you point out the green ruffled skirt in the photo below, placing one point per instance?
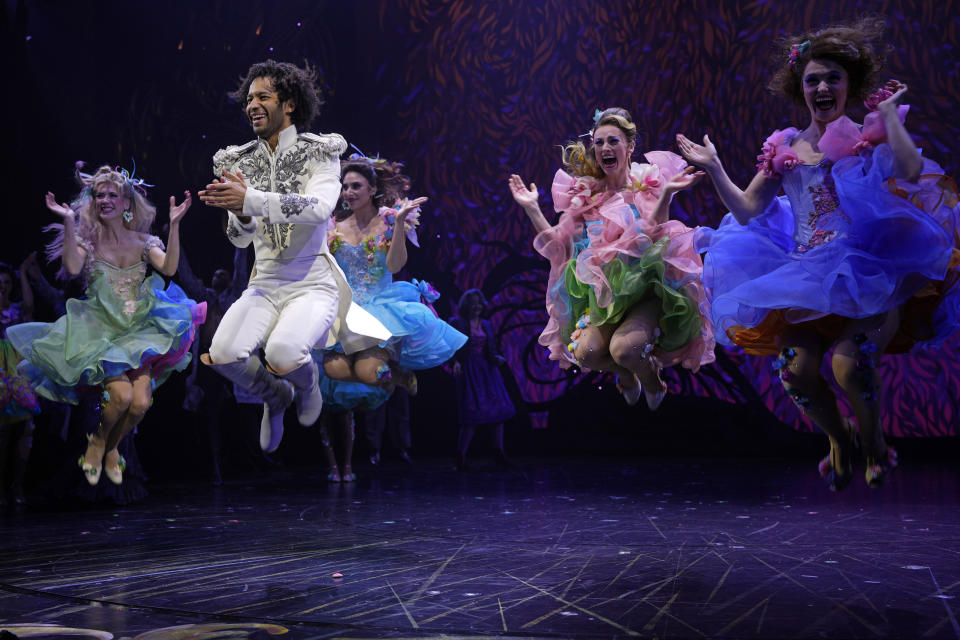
(631, 283)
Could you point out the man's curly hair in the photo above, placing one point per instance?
(291, 83)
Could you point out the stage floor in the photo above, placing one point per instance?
(553, 549)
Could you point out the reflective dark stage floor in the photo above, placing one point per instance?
(581, 549)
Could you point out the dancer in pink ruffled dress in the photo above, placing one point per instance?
(624, 291)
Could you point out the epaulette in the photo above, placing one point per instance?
(328, 144)
(225, 158)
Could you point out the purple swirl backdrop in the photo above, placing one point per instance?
(465, 92)
(482, 90)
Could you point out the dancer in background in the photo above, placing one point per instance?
(130, 332)
(859, 258)
(482, 399)
(18, 402)
(280, 190)
(206, 393)
(624, 290)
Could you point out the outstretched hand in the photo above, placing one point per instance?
(703, 155)
(177, 211)
(684, 180)
(406, 208)
(525, 197)
(62, 210)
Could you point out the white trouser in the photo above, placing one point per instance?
(285, 316)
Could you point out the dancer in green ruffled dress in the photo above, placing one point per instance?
(624, 290)
(129, 333)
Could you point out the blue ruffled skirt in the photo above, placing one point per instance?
(901, 248)
(420, 339)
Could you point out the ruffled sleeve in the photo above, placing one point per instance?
(647, 180)
(88, 248)
(777, 155)
(571, 197)
(844, 137)
(389, 216)
(875, 131)
(151, 242)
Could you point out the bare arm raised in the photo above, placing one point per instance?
(166, 261)
(397, 254)
(744, 204)
(676, 184)
(73, 255)
(528, 198)
(907, 162)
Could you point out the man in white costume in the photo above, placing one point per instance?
(279, 191)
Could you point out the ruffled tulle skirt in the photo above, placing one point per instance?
(900, 251)
(420, 339)
(668, 271)
(93, 341)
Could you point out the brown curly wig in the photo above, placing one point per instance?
(856, 47)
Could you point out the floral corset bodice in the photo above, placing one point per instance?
(818, 218)
(589, 228)
(365, 265)
(118, 288)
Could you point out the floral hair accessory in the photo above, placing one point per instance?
(795, 51)
(360, 156)
(136, 183)
(596, 116)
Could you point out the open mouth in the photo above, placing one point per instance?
(608, 162)
(825, 103)
(258, 119)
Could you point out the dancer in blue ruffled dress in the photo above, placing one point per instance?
(131, 331)
(369, 239)
(859, 257)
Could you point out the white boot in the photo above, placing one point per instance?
(309, 400)
(275, 392)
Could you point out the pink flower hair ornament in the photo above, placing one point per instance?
(796, 50)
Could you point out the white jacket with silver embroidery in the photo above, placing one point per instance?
(291, 194)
